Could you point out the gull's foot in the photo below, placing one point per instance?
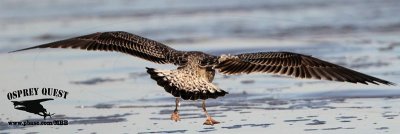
(210, 121)
(175, 116)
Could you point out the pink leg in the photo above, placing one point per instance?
(175, 115)
(209, 120)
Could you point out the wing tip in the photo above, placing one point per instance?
(23, 49)
(388, 83)
(16, 50)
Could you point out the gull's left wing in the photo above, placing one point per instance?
(292, 64)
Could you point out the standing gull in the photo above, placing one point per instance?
(193, 78)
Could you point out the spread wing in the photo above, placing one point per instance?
(292, 64)
(31, 101)
(121, 42)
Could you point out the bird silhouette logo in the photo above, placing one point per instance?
(33, 106)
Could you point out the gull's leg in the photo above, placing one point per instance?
(209, 120)
(175, 114)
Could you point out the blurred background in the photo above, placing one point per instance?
(25, 23)
(112, 90)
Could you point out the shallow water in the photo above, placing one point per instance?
(112, 93)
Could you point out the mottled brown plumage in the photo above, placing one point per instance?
(121, 42)
(190, 81)
(193, 78)
(292, 64)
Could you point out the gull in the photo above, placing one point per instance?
(192, 80)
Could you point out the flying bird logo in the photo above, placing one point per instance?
(33, 106)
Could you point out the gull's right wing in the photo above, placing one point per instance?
(121, 42)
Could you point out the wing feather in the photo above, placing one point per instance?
(121, 42)
(292, 64)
